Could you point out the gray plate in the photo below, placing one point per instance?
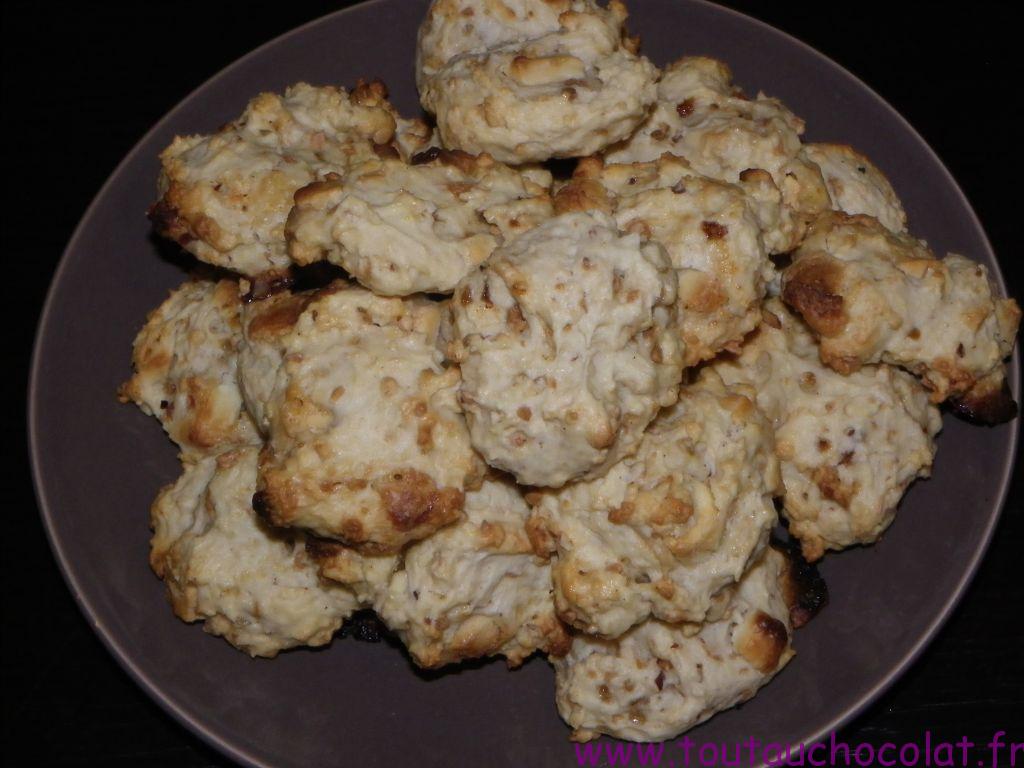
(98, 464)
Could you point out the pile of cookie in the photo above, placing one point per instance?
(515, 411)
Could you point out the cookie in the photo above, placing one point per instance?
(222, 565)
(657, 681)
(567, 347)
(473, 589)
(451, 28)
(701, 116)
(669, 527)
(568, 92)
(856, 185)
(401, 228)
(871, 295)
(225, 197)
(476, 588)
(366, 443)
(186, 369)
(712, 234)
(849, 446)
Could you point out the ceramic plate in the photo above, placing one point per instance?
(98, 464)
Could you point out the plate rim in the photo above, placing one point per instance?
(194, 722)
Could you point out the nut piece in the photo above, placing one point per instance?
(568, 348)
(186, 369)
(872, 296)
(224, 566)
(533, 80)
(849, 446)
(668, 528)
(225, 197)
(659, 680)
(412, 137)
(366, 443)
(401, 229)
(701, 116)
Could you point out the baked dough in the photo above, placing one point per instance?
(186, 369)
(668, 528)
(849, 446)
(225, 197)
(657, 680)
(401, 228)
(568, 348)
(365, 441)
(224, 566)
(856, 185)
(366, 575)
(567, 92)
(712, 234)
(701, 116)
(413, 137)
(476, 588)
(455, 27)
(473, 589)
(871, 296)
(266, 326)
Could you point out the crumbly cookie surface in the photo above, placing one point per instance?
(701, 116)
(668, 528)
(569, 92)
(567, 347)
(872, 295)
(712, 234)
(224, 566)
(451, 28)
(266, 328)
(473, 589)
(657, 681)
(366, 443)
(856, 185)
(476, 588)
(225, 197)
(848, 445)
(186, 369)
(402, 228)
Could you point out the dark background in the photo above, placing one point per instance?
(82, 82)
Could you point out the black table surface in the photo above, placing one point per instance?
(82, 81)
